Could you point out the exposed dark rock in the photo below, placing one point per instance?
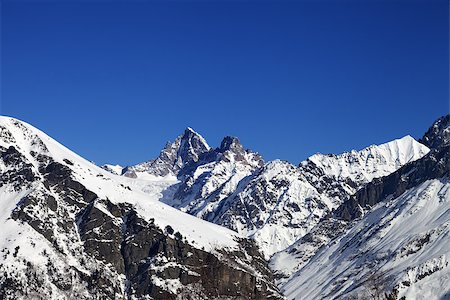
(19, 171)
(102, 235)
(438, 134)
(186, 149)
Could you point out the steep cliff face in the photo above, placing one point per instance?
(439, 134)
(72, 230)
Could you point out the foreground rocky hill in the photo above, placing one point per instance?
(71, 230)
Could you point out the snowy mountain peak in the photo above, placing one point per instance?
(231, 149)
(194, 137)
(371, 162)
(438, 134)
(189, 147)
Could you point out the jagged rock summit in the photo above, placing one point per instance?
(186, 149)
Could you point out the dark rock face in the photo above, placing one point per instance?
(438, 134)
(19, 173)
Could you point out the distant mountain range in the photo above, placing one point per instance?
(221, 223)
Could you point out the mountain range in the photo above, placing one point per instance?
(199, 222)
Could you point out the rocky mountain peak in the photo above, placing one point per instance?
(231, 143)
(190, 145)
(371, 162)
(438, 135)
(186, 149)
(231, 149)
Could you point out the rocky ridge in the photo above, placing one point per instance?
(276, 203)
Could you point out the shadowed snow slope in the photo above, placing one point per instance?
(403, 243)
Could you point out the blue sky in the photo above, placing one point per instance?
(114, 81)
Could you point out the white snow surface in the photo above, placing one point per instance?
(372, 162)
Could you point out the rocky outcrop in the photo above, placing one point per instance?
(160, 264)
(438, 134)
(16, 170)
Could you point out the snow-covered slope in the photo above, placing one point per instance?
(274, 207)
(70, 229)
(115, 169)
(400, 247)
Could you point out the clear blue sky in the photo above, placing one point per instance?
(114, 81)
